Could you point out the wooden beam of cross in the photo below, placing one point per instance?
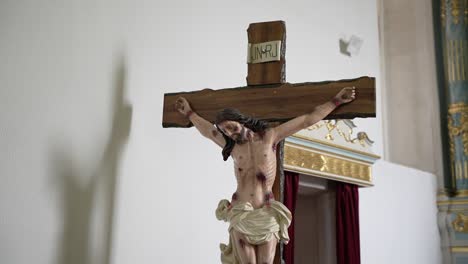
(274, 103)
(267, 96)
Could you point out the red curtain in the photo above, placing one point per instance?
(347, 224)
(291, 184)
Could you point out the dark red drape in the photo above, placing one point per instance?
(291, 184)
(347, 224)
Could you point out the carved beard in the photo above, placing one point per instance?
(240, 137)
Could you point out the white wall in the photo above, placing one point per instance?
(398, 216)
(81, 181)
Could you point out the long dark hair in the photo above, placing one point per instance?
(231, 114)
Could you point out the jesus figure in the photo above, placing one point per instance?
(257, 221)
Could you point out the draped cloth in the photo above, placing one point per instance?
(291, 187)
(347, 224)
(257, 225)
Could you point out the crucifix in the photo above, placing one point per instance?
(250, 124)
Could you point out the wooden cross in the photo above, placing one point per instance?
(267, 96)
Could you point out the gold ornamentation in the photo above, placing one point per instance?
(466, 12)
(458, 108)
(462, 129)
(455, 11)
(316, 126)
(442, 12)
(455, 59)
(308, 161)
(459, 168)
(460, 224)
(452, 131)
(361, 138)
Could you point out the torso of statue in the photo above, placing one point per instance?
(255, 170)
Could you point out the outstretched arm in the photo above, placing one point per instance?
(205, 128)
(282, 131)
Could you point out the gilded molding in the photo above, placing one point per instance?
(303, 159)
(452, 202)
(461, 193)
(311, 139)
(459, 249)
(452, 210)
(460, 224)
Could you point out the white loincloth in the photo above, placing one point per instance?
(257, 225)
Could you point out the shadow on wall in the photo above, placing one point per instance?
(80, 195)
(344, 48)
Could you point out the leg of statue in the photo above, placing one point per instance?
(245, 251)
(266, 252)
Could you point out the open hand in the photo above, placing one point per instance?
(183, 106)
(346, 95)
